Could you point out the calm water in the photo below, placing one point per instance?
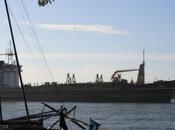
(112, 116)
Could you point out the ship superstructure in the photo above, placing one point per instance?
(8, 71)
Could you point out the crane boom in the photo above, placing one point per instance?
(119, 71)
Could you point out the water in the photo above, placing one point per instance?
(112, 116)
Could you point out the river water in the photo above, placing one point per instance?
(111, 116)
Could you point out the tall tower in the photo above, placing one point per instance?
(141, 73)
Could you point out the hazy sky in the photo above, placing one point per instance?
(86, 37)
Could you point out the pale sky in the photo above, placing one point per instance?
(86, 37)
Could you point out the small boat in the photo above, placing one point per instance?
(35, 121)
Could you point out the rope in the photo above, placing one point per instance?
(35, 62)
(37, 41)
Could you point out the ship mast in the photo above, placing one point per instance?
(17, 61)
(9, 53)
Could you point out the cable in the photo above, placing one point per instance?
(25, 41)
(37, 41)
(41, 72)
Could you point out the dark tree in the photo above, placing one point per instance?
(44, 2)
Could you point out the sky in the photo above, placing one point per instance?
(89, 37)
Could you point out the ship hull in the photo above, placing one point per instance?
(90, 92)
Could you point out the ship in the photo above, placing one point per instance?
(118, 90)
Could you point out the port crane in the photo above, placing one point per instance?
(116, 77)
(141, 74)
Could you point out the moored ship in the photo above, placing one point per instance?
(118, 90)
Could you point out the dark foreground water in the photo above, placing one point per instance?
(112, 116)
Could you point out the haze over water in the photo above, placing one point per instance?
(112, 116)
